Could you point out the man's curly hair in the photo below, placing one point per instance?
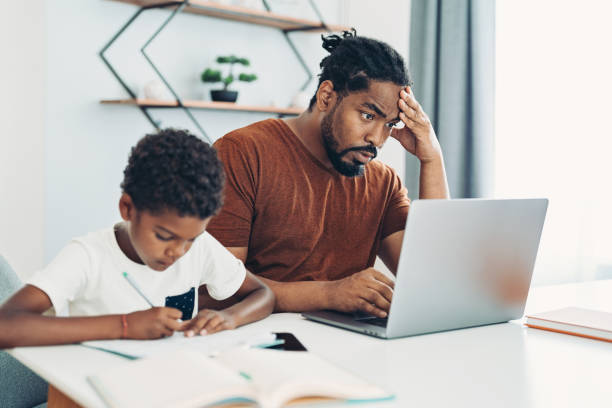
(174, 170)
(353, 61)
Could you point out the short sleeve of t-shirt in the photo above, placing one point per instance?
(232, 226)
(66, 277)
(397, 209)
(224, 273)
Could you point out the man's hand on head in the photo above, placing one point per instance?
(368, 291)
(417, 136)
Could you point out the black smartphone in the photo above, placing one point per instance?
(291, 342)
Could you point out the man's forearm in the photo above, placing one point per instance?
(300, 296)
(290, 296)
(433, 183)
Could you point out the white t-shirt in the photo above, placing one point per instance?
(86, 278)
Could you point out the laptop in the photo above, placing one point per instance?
(463, 263)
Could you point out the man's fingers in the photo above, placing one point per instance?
(367, 307)
(385, 290)
(408, 110)
(409, 123)
(410, 100)
(378, 300)
(381, 277)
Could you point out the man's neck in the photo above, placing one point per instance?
(307, 127)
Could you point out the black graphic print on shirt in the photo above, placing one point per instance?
(183, 302)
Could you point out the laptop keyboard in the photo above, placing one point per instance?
(377, 321)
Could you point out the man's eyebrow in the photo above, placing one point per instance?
(173, 234)
(374, 108)
(378, 111)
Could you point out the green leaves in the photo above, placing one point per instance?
(228, 80)
(232, 59)
(247, 77)
(211, 75)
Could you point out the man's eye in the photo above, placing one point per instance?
(162, 238)
(367, 116)
(396, 125)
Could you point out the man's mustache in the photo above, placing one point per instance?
(369, 149)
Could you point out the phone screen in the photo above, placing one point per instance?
(291, 342)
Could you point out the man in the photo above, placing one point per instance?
(306, 207)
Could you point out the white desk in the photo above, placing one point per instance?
(504, 365)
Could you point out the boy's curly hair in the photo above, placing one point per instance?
(353, 61)
(174, 170)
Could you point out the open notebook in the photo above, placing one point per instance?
(262, 377)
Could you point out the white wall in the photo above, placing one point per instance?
(73, 183)
(22, 83)
(88, 143)
(553, 129)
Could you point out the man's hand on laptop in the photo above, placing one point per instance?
(368, 291)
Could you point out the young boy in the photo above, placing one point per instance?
(172, 187)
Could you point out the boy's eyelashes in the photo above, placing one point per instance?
(169, 238)
(163, 238)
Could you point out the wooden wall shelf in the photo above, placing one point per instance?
(243, 14)
(228, 106)
(286, 25)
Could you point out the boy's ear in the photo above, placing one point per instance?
(126, 207)
(326, 96)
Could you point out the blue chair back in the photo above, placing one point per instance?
(19, 386)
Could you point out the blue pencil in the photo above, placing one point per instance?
(135, 286)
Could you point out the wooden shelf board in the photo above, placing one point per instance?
(247, 15)
(157, 103)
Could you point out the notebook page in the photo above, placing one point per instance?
(208, 344)
(177, 379)
(281, 376)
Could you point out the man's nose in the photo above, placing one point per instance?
(378, 137)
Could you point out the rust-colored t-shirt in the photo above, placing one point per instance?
(299, 219)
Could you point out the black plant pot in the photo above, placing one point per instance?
(224, 96)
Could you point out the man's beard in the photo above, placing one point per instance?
(347, 169)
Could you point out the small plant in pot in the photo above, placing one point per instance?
(212, 76)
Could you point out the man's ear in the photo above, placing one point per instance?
(126, 207)
(326, 96)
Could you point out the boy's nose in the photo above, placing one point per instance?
(177, 250)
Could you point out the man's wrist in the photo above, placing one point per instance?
(433, 160)
(329, 294)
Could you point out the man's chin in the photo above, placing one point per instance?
(350, 169)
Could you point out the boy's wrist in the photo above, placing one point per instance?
(124, 326)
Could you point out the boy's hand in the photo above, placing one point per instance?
(154, 323)
(208, 322)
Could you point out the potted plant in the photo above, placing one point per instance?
(212, 76)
